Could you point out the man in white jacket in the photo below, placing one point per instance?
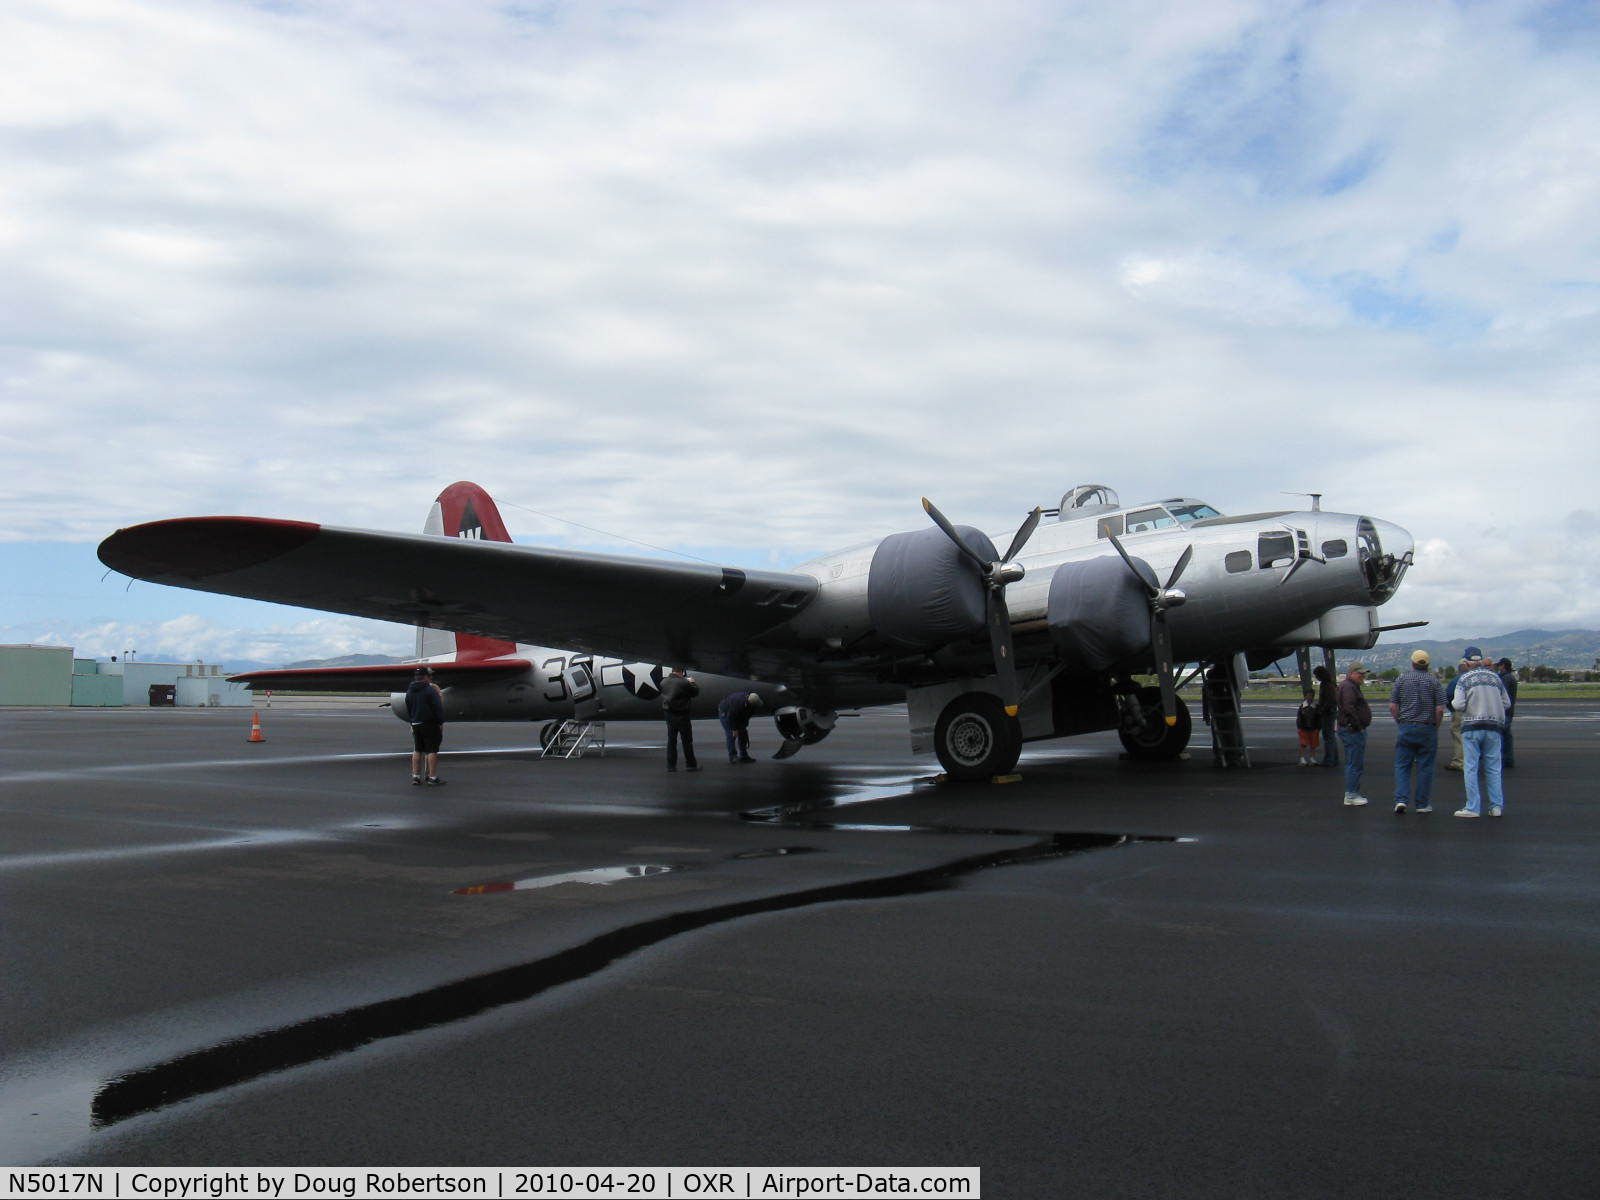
(1482, 701)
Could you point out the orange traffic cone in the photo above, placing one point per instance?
(255, 729)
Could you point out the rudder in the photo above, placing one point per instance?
(463, 510)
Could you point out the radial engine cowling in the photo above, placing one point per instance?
(1098, 614)
(922, 592)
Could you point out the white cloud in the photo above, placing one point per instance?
(190, 638)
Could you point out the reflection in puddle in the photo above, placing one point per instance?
(598, 875)
(607, 875)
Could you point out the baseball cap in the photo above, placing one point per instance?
(1420, 657)
(1504, 662)
(1472, 654)
(1362, 667)
(423, 672)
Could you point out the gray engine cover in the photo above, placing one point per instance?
(1098, 614)
(922, 592)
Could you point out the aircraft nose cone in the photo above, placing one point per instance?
(1395, 539)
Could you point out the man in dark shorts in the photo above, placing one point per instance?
(425, 711)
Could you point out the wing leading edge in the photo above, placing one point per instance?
(649, 610)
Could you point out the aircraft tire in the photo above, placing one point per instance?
(975, 739)
(547, 732)
(1157, 740)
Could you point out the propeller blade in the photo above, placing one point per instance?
(1005, 667)
(1023, 534)
(1181, 565)
(1161, 641)
(943, 523)
(1143, 582)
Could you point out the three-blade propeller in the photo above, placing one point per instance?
(995, 576)
(1161, 599)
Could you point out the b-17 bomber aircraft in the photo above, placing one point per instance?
(989, 650)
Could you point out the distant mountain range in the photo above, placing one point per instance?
(1564, 649)
(237, 666)
(346, 660)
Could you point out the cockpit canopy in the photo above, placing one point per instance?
(1095, 499)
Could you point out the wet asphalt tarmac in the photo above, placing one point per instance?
(1107, 979)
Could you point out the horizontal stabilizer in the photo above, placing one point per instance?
(390, 677)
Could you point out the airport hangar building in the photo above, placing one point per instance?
(49, 676)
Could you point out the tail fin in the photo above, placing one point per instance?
(463, 510)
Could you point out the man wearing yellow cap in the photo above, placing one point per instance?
(1416, 704)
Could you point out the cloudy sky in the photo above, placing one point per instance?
(745, 279)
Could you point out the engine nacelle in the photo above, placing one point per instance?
(922, 592)
(1098, 614)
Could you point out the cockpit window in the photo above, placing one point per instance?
(1145, 520)
(1188, 514)
(1337, 548)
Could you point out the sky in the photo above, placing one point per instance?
(745, 280)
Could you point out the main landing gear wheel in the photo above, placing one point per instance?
(974, 738)
(1157, 739)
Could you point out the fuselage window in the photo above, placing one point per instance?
(1109, 526)
(1146, 520)
(1275, 550)
(1237, 560)
(1187, 514)
(1337, 548)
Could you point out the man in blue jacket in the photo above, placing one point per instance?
(734, 711)
(1508, 680)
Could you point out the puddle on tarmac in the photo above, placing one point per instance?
(239, 1060)
(599, 876)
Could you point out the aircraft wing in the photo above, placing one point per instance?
(383, 677)
(647, 610)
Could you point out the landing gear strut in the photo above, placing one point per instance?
(975, 739)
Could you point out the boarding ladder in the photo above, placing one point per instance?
(1221, 699)
(574, 738)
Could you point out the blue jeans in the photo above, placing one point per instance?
(1481, 749)
(1507, 756)
(738, 740)
(1355, 758)
(1330, 748)
(1415, 745)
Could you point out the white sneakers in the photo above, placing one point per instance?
(1466, 812)
(1354, 799)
